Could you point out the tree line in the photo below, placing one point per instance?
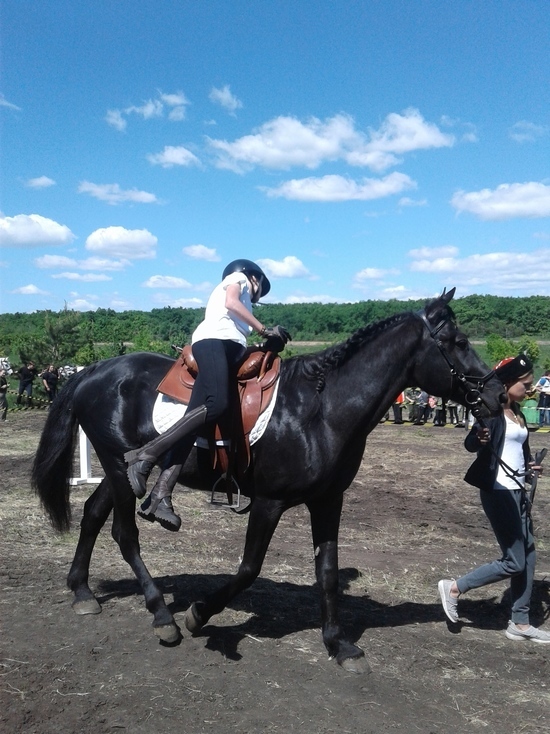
(73, 337)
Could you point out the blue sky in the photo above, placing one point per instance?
(373, 149)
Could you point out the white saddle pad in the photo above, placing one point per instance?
(166, 412)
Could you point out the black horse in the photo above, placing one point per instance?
(327, 404)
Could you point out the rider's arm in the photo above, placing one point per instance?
(236, 308)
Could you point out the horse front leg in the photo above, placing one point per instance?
(126, 534)
(325, 523)
(263, 519)
(96, 511)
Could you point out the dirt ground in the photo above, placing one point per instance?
(409, 520)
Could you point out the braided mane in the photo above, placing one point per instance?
(315, 366)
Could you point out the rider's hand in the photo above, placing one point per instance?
(276, 338)
(277, 331)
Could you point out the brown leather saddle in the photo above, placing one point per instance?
(257, 377)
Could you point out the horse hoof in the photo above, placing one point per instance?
(88, 606)
(357, 665)
(168, 633)
(192, 620)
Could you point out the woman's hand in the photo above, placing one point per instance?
(483, 435)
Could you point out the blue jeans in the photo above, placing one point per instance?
(507, 511)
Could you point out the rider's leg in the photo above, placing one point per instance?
(158, 506)
(141, 461)
(216, 359)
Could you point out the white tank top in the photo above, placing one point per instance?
(512, 455)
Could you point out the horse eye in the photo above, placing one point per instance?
(462, 344)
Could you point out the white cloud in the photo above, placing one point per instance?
(113, 194)
(165, 300)
(129, 244)
(91, 263)
(81, 304)
(527, 132)
(174, 100)
(424, 253)
(201, 252)
(288, 267)
(115, 119)
(33, 230)
(314, 299)
(173, 156)
(225, 99)
(30, 290)
(339, 188)
(54, 261)
(41, 182)
(407, 201)
(373, 274)
(87, 278)
(178, 103)
(148, 110)
(98, 263)
(493, 272)
(286, 141)
(166, 281)
(4, 103)
(152, 108)
(507, 201)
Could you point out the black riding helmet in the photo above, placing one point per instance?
(249, 268)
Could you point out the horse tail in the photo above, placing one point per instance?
(53, 461)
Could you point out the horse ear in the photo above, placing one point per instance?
(436, 309)
(447, 297)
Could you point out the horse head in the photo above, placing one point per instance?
(449, 367)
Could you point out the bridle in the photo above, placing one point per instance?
(473, 398)
(471, 385)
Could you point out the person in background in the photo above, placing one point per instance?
(27, 374)
(503, 459)
(397, 408)
(440, 413)
(219, 343)
(543, 389)
(50, 378)
(423, 409)
(453, 412)
(3, 395)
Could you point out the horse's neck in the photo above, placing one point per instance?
(364, 387)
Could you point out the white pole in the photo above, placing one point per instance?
(85, 458)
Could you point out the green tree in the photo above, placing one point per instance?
(499, 348)
(529, 346)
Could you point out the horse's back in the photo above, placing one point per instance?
(114, 398)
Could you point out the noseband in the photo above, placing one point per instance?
(472, 386)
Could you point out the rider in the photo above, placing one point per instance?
(219, 343)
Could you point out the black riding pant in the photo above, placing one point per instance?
(217, 360)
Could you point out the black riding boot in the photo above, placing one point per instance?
(158, 506)
(141, 461)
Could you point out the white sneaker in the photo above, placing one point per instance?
(450, 603)
(531, 634)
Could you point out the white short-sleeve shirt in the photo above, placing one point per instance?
(218, 323)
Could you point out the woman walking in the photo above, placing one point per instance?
(503, 459)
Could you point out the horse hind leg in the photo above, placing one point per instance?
(96, 511)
